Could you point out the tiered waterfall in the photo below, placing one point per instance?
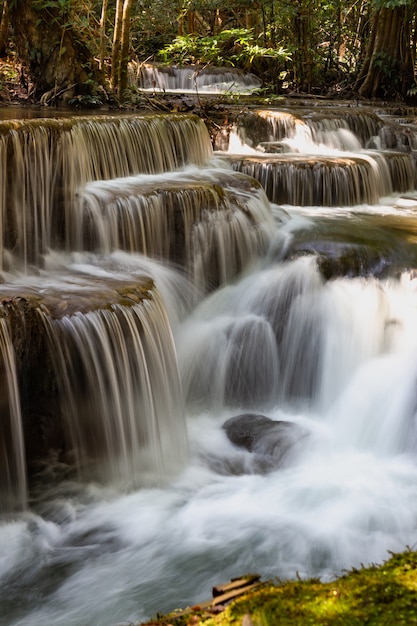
(208, 357)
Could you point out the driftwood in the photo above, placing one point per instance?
(238, 585)
(222, 595)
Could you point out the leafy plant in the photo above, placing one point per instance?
(388, 67)
(236, 47)
(86, 102)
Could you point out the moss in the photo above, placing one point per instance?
(381, 596)
(62, 122)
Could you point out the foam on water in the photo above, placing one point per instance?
(127, 557)
(349, 497)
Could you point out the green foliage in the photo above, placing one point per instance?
(391, 4)
(66, 14)
(388, 67)
(385, 63)
(236, 47)
(53, 4)
(58, 10)
(86, 102)
(154, 24)
(311, 44)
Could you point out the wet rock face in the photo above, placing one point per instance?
(381, 247)
(263, 436)
(337, 259)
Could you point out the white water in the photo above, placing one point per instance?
(345, 370)
(97, 557)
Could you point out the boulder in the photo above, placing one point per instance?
(276, 440)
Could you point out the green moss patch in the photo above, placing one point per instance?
(383, 595)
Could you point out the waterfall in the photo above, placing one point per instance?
(193, 79)
(12, 453)
(340, 128)
(49, 161)
(213, 223)
(337, 181)
(319, 160)
(109, 365)
(95, 186)
(208, 357)
(299, 318)
(226, 366)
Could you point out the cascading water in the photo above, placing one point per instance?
(213, 223)
(47, 162)
(109, 365)
(12, 455)
(121, 371)
(334, 169)
(193, 79)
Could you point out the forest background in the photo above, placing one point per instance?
(82, 51)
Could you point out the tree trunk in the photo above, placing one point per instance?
(387, 70)
(362, 33)
(56, 60)
(124, 50)
(217, 23)
(4, 30)
(414, 46)
(180, 25)
(264, 25)
(102, 54)
(303, 55)
(272, 22)
(191, 22)
(117, 35)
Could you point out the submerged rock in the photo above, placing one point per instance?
(265, 437)
(245, 430)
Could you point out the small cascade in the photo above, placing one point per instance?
(212, 223)
(403, 172)
(298, 319)
(193, 79)
(395, 135)
(319, 159)
(363, 124)
(318, 181)
(234, 372)
(49, 161)
(95, 373)
(341, 129)
(226, 367)
(293, 129)
(119, 387)
(12, 450)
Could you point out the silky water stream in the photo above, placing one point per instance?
(151, 292)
